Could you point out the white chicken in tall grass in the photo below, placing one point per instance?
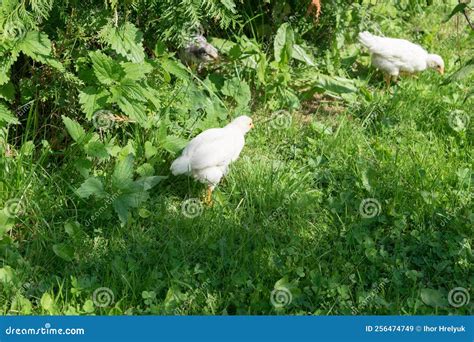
(207, 157)
(399, 56)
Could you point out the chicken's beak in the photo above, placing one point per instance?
(252, 125)
(441, 71)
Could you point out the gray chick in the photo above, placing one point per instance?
(198, 52)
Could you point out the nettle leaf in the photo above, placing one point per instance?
(96, 149)
(105, 68)
(147, 183)
(134, 109)
(92, 99)
(8, 56)
(91, 186)
(7, 116)
(136, 71)
(123, 172)
(37, 45)
(74, 129)
(125, 40)
(130, 97)
(174, 144)
(237, 89)
(174, 68)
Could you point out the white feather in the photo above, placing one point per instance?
(207, 157)
(392, 55)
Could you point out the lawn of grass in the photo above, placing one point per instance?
(289, 217)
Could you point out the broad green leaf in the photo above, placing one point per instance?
(237, 89)
(7, 275)
(64, 251)
(47, 302)
(92, 100)
(74, 129)
(136, 71)
(105, 68)
(174, 144)
(6, 115)
(123, 172)
(27, 148)
(433, 298)
(96, 149)
(300, 54)
(125, 40)
(35, 43)
(149, 182)
(38, 46)
(283, 44)
(133, 109)
(143, 170)
(72, 229)
(91, 186)
(150, 150)
(132, 90)
(175, 68)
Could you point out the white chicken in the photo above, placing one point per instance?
(207, 157)
(394, 56)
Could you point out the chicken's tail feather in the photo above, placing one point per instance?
(181, 166)
(367, 39)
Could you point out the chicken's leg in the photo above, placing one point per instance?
(387, 78)
(208, 198)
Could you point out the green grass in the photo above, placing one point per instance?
(287, 216)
